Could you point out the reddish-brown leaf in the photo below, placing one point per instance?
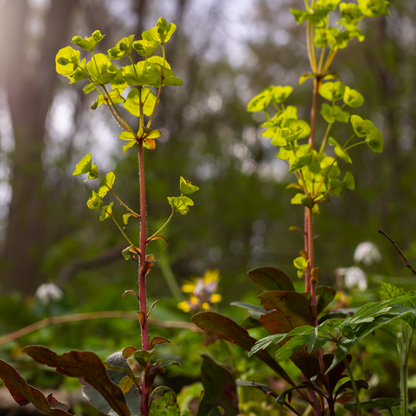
(227, 329)
(86, 365)
(23, 393)
(270, 278)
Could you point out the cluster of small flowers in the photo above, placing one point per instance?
(202, 290)
(367, 253)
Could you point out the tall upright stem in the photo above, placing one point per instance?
(142, 279)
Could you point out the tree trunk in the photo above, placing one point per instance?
(30, 90)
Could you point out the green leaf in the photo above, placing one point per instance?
(145, 48)
(220, 389)
(327, 36)
(115, 96)
(67, 61)
(84, 165)
(308, 202)
(271, 94)
(263, 387)
(23, 393)
(129, 144)
(368, 318)
(101, 69)
(253, 309)
(106, 212)
(186, 187)
(340, 115)
(375, 140)
(132, 103)
(306, 76)
(154, 134)
(144, 356)
(180, 204)
(332, 91)
(106, 184)
(301, 162)
(127, 135)
(126, 218)
(169, 396)
(362, 127)
(225, 328)
(88, 366)
(325, 295)
(373, 8)
(270, 278)
(327, 5)
(297, 199)
(122, 48)
(353, 98)
(389, 291)
(349, 181)
(326, 113)
(126, 255)
(89, 87)
(300, 263)
(382, 402)
(162, 32)
(95, 202)
(339, 151)
(350, 12)
(90, 43)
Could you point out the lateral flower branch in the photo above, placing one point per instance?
(115, 388)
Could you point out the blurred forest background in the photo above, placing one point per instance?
(226, 52)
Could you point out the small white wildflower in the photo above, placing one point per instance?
(354, 276)
(368, 253)
(47, 292)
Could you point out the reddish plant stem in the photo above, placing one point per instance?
(305, 238)
(142, 277)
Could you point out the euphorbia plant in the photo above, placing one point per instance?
(112, 387)
(297, 322)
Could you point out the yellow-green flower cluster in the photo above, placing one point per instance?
(202, 290)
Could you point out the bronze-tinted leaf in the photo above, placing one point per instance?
(220, 389)
(117, 369)
(227, 329)
(336, 373)
(270, 278)
(325, 295)
(289, 311)
(23, 393)
(294, 305)
(158, 340)
(86, 365)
